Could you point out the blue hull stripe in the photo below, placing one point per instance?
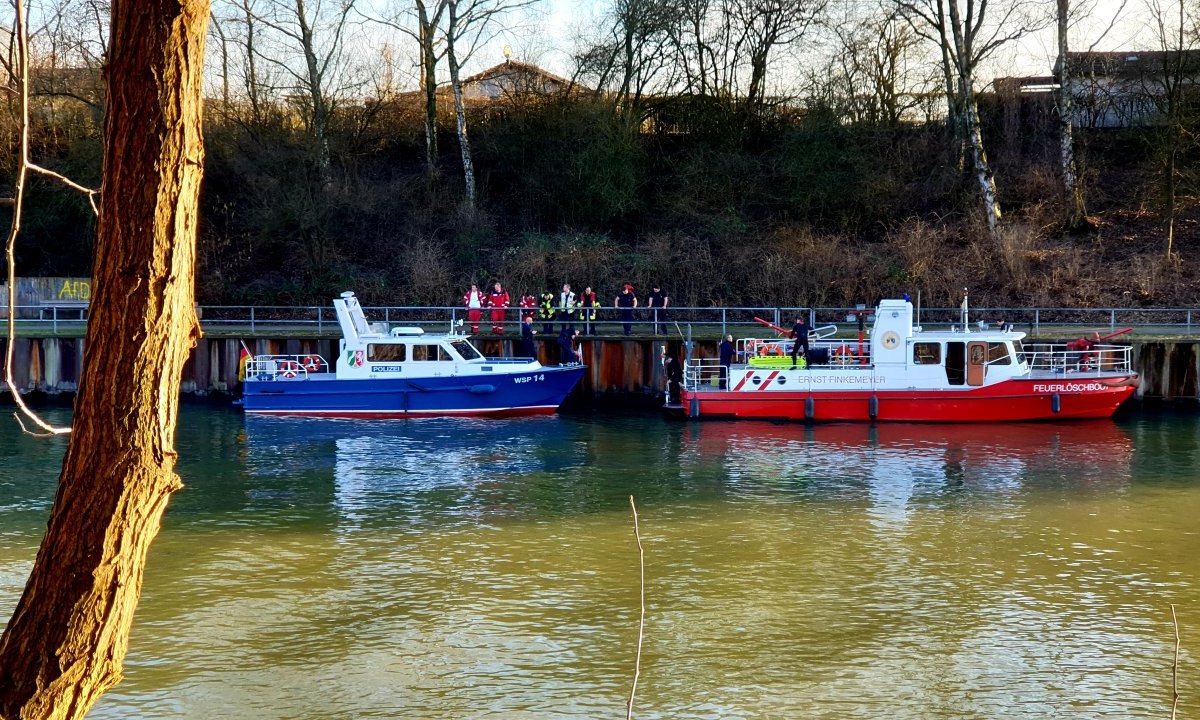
(525, 392)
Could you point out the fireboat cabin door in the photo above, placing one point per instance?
(976, 362)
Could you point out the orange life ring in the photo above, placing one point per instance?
(289, 368)
(311, 363)
(773, 349)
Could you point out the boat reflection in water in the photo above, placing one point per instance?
(413, 471)
(894, 462)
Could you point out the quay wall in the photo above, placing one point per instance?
(618, 368)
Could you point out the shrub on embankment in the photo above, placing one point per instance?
(794, 209)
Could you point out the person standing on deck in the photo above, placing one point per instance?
(726, 352)
(800, 340)
(528, 306)
(674, 376)
(588, 303)
(546, 312)
(528, 347)
(626, 302)
(474, 300)
(499, 300)
(657, 302)
(566, 308)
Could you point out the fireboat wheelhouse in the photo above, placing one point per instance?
(901, 373)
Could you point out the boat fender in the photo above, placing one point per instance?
(810, 408)
(873, 407)
(1056, 403)
(482, 389)
(694, 408)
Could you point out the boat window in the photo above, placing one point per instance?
(466, 350)
(422, 353)
(1019, 350)
(927, 353)
(998, 354)
(385, 353)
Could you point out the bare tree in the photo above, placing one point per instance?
(967, 32)
(767, 25)
(870, 67)
(429, 18)
(630, 53)
(319, 33)
(469, 24)
(65, 644)
(1171, 88)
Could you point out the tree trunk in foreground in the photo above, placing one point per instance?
(66, 642)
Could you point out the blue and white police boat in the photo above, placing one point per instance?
(401, 373)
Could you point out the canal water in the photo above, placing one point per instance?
(489, 569)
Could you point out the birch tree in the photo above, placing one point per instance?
(469, 24)
(429, 14)
(967, 32)
(66, 641)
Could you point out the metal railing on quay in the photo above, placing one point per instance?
(675, 321)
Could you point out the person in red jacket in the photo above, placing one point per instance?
(499, 300)
(528, 306)
(474, 300)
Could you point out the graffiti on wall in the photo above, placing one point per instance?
(76, 290)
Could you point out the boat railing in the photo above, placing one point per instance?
(705, 373)
(284, 367)
(777, 352)
(1063, 358)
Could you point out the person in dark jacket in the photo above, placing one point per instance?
(727, 353)
(626, 302)
(528, 347)
(674, 377)
(657, 302)
(800, 337)
(567, 353)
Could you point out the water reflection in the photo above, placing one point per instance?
(469, 569)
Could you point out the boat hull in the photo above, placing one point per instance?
(1011, 400)
(537, 392)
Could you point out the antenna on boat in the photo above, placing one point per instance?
(918, 309)
(965, 312)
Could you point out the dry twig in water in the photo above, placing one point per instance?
(637, 666)
(1175, 667)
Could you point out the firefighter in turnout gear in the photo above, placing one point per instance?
(546, 312)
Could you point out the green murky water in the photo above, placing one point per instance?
(488, 569)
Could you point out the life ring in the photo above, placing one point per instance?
(311, 363)
(773, 349)
(289, 369)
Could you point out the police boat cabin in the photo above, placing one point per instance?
(402, 372)
(901, 373)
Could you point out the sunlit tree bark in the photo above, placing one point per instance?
(65, 644)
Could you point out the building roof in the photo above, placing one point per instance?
(1128, 63)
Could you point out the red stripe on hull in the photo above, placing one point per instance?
(1009, 401)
